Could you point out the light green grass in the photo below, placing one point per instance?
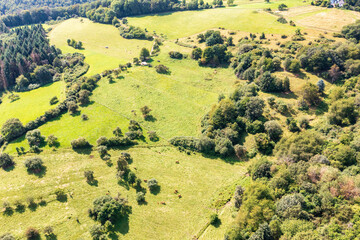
(102, 121)
(96, 37)
(197, 179)
(31, 104)
(181, 24)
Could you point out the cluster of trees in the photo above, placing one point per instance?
(75, 44)
(212, 56)
(132, 32)
(24, 58)
(13, 6)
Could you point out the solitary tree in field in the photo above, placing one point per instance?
(144, 54)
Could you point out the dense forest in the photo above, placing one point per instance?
(27, 50)
(104, 11)
(13, 6)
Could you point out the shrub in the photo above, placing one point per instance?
(83, 97)
(84, 117)
(89, 175)
(260, 169)
(97, 232)
(224, 147)
(214, 218)
(196, 53)
(240, 151)
(117, 132)
(153, 136)
(12, 129)
(310, 94)
(263, 143)
(255, 127)
(175, 55)
(263, 232)
(49, 231)
(34, 138)
(54, 100)
(32, 233)
(290, 206)
(238, 196)
(343, 112)
(80, 143)
(153, 185)
(52, 141)
(60, 194)
(140, 197)
(162, 69)
(274, 130)
(72, 107)
(107, 208)
(304, 122)
(6, 161)
(102, 141)
(34, 164)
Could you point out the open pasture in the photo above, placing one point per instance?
(199, 180)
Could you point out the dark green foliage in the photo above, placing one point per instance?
(32, 233)
(214, 219)
(153, 185)
(215, 55)
(6, 161)
(107, 208)
(352, 31)
(301, 146)
(83, 97)
(255, 127)
(80, 143)
(132, 32)
(12, 129)
(34, 164)
(162, 69)
(263, 233)
(196, 53)
(260, 169)
(291, 206)
(342, 156)
(144, 54)
(34, 138)
(310, 94)
(264, 144)
(238, 196)
(224, 147)
(343, 112)
(52, 141)
(274, 130)
(176, 55)
(321, 85)
(54, 100)
(89, 175)
(98, 232)
(140, 197)
(254, 108)
(18, 57)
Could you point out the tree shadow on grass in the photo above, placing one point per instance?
(217, 224)
(230, 159)
(33, 207)
(93, 183)
(121, 226)
(41, 173)
(84, 151)
(9, 212)
(156, 190)
(51, 237)
(20, 208)
(124, 184)
(10, 168)
(289, 95)
(150, 118)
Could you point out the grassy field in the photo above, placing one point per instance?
(197, 179)
(31, 104)
(181, 24)
(104, 47)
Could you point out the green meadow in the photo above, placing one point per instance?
(196, 178)
(182, 24)
(104, 48)
(31, 104)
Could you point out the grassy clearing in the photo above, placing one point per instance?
(102, 121)
(104, 47)
(197, 179)
(31, 104)
(181, 24)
